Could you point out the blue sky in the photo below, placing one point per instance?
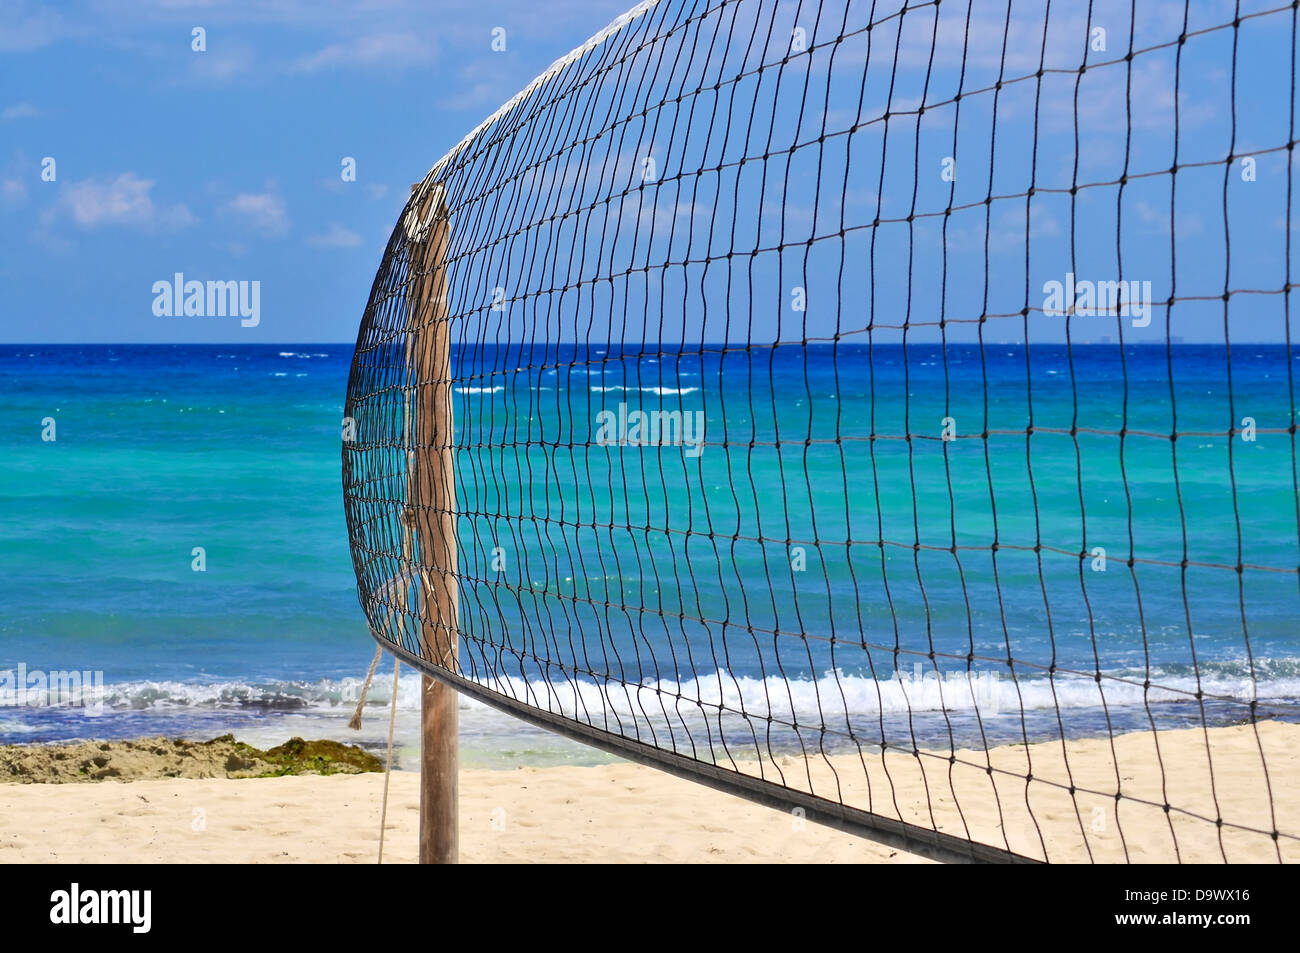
(225, 164)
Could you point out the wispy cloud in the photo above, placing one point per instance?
(336, 236)
(19, 111)
(390, 50)
(13, 190)
(223, 66)
(123, 200)
(1160, 220)
(479, 86)
(30, 27)
(264, 212)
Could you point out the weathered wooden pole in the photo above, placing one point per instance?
(431, 514)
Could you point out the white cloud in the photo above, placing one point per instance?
(480, 85)
(223, 66)
(389, 50)
(1160, 220)
(13, 190)
(336, 236)
(30, 27)
(19, 111)
(124, 200)
(376, 190)
(264, 212)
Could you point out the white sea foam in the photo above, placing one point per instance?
(839, 697)
(835, 695)
(660, 391)
(480, 390)
(677, 715)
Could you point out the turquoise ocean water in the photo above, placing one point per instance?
(236, 449)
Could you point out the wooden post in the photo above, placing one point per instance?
(431, 515)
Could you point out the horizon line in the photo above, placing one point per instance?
(754, 344)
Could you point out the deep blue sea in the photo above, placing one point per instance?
(160, 449)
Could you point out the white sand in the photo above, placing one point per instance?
(624, 812)
(616, 812)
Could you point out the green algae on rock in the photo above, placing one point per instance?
(221, 757)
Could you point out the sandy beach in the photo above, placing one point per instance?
(612, 813)
(627, 813)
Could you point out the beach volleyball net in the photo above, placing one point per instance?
(883, 411)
